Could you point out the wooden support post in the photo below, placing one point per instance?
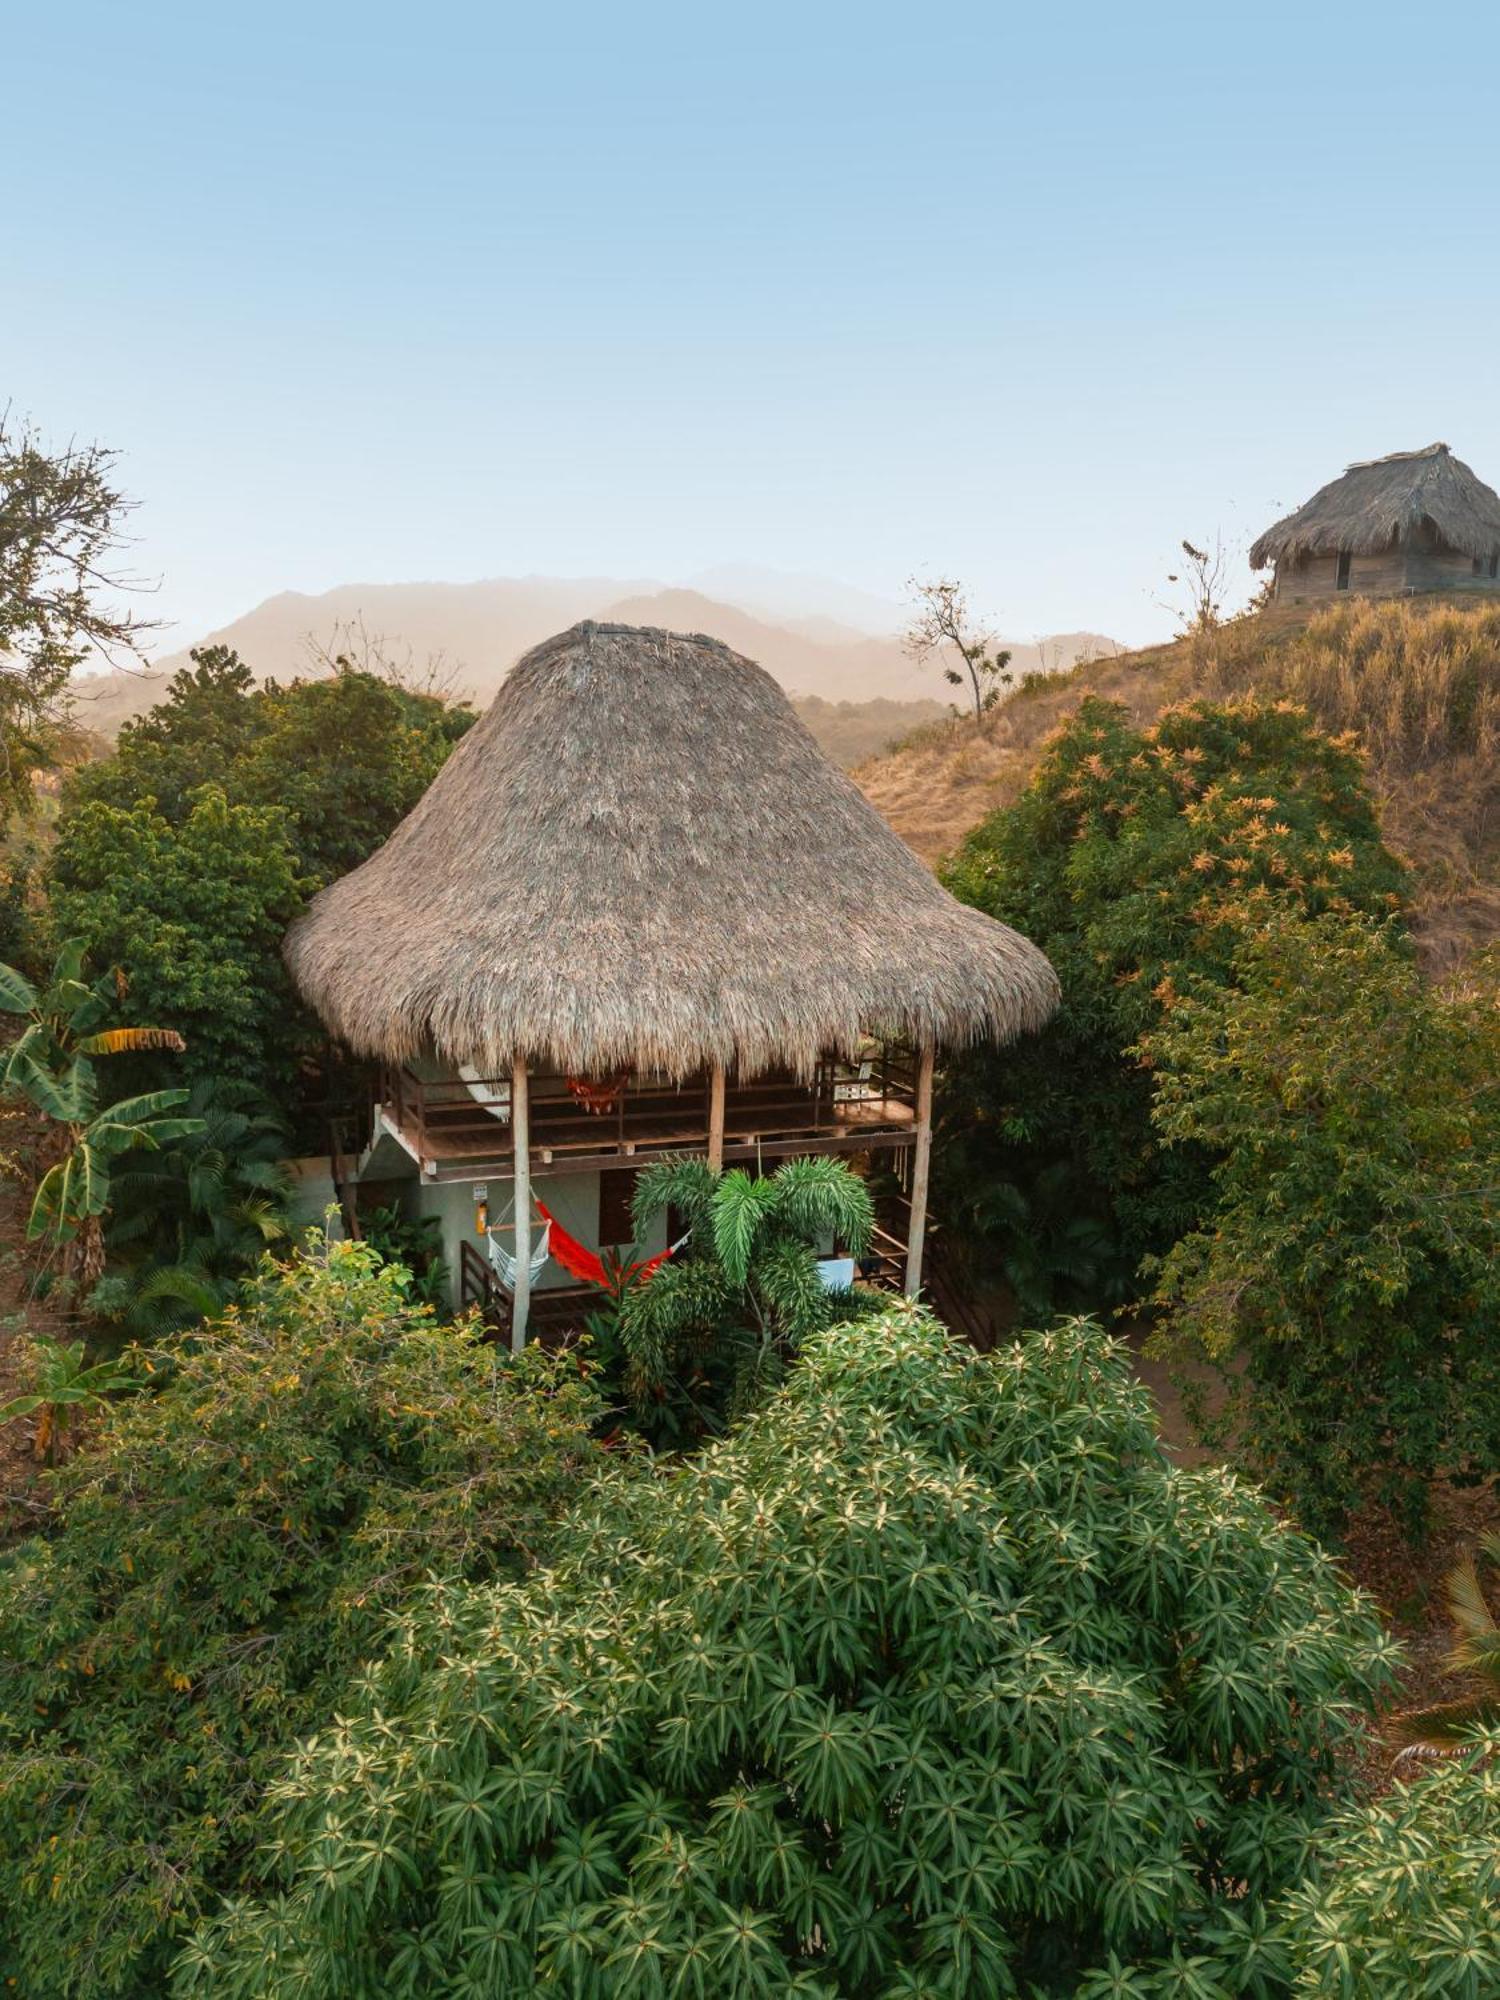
(716, 1119)
(921, 1161)
(520, 1125)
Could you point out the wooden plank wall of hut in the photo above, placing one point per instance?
(1315, 581)
(1444, 569)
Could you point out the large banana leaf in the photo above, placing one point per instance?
(74, 1189)
(150, 1106)
(69, 1099)
(130, 1041)
(17, 994)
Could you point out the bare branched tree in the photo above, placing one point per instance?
(1201, 581)
(352, 648)
(942, 626)
(61, 518)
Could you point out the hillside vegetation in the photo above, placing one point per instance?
(1417, 682)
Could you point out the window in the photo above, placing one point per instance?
(1341, 576)
(1495, 563)
(1477, 565)
(616, 1193)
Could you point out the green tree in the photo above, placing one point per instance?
(1351, 1260)
(195, 735)
(61, 516)
(196, 910)
(51, 1066)
(715, 1327)
(1137, 859)
(932, 1678)
(222, 1555)
(345, 756)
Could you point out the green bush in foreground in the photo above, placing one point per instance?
(1352, 1260)
(932, 1678)
(226, 1551)
(1405, 1897)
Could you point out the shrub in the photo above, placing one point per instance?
(1137, 859)
(1404, 1895)
(933, 1678)
(224, 1553)
(1351, 1256)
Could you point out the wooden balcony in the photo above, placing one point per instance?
(445, 1126)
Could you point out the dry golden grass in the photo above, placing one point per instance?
(1417, 681)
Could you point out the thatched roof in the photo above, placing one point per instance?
(1385, 500)
(639, 857)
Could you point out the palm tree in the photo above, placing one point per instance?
(51, 1065)
(715, 1326)
(1450, 1728)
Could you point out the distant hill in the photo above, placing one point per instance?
(480, 629)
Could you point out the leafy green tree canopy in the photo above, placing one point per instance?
(196, 910)
(345, 756)
(933, 1678)
(221, 1557)
(1352, 1258)
(1137, 858)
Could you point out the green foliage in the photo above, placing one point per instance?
(223, 1557)
(1352, 1259)
(185, 856)
(933, 1678)
(191, 1220)
(1404, 1896)
(1137, 858)
(414, 1244)
(343, 757)
(714, 1328)
(196, 910)
(50, 1065)
(61, 1380)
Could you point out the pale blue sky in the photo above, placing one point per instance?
(1025, 294)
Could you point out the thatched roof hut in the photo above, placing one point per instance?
(1416, 520)
(640, 858)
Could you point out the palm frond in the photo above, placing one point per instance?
(686, 1185)
(740, 1205)
(819, 1197)
(1448, 1725)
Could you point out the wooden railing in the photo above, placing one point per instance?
(443, 1125)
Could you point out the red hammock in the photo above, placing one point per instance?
(581, 1262)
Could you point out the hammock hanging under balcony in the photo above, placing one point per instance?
(506, 1264)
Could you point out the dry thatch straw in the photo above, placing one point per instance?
(1383, 501)
(639, 857)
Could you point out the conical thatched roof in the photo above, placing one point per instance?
(640, 857)
(1386, 500)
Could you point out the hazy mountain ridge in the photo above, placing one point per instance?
(480, 629)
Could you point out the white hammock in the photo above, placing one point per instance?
(507, 1264)
(493, 1097)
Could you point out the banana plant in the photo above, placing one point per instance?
(51, 1066)
(63, 1381)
